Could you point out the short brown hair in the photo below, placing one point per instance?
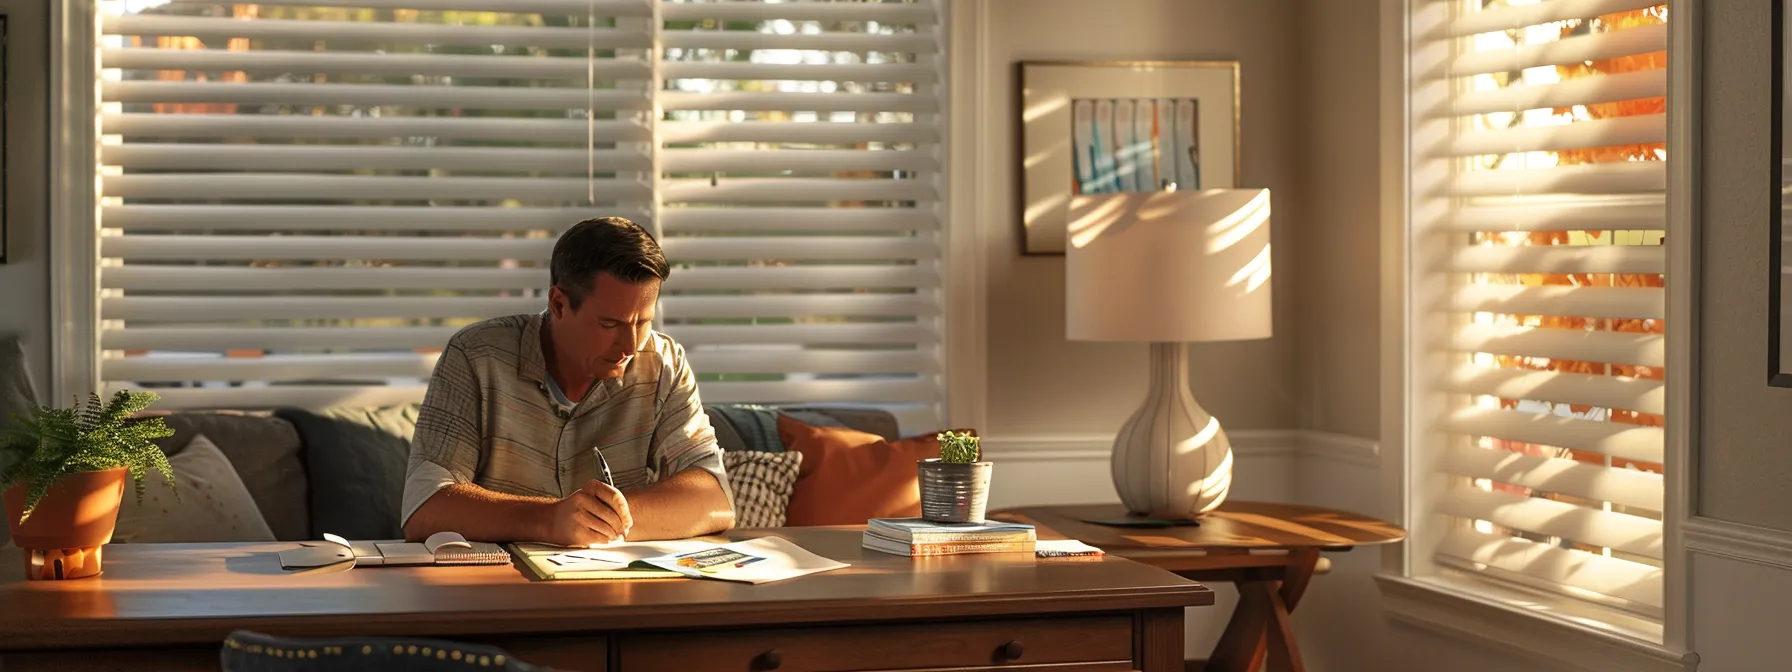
(611, 245)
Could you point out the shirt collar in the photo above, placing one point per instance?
(532, 365)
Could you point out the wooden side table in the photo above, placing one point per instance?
(1242, 543)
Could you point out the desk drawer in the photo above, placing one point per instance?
(883, 647)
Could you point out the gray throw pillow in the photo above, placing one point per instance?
(355, 461)
(212, 505)
(763, 483)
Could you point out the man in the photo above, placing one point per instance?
(520, 408)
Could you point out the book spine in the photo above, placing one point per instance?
(972, 537)
(958, 549)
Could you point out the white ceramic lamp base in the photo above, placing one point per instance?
(1171, 459)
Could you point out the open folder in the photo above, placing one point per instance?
(753, 561)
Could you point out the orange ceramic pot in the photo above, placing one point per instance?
(74, 519)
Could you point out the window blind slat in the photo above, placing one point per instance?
(195, 309)
(364, 33)
(210, 279)
(219, 339)
(820, 133)
(916, 43)
(377, 63)
(1620, 440)
(1577, 135)
(1576, 344)
(1632, 581)
(1644, 213)
(282, 368)
(789, 190)
(169, 156)
(604, 8)
(796, 160)
(1633, 394)
(899, 13)
(1636, 177)
(837, 72)
(301, 218)
(1615, 302)
(1507, 17)
(1629, 487)
(1567, 51)
(353, 128)
(1593, 527)
(249, 248)
(1558, 259)
(1605, 89)
(422, 96)
(299, 396)
(690, 220)
(752, 101)
(301, 186)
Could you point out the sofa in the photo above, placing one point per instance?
(341, 470)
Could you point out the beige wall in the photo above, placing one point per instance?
(1039, 383)
(25, 277)
(1745, 432)
(1337, 362)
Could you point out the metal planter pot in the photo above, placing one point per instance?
(954, 492)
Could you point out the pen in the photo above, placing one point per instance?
(603, 466)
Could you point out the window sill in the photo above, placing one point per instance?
(1557, 630)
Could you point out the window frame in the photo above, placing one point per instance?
(75, 239)
(1466, 605)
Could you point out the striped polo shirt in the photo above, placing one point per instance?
(491, 419)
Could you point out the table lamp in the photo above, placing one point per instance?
(1169, 268)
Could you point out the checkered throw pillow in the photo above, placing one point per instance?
(762, 483)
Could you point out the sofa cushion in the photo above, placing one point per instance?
(869, 420)
(848, 476)
(207, 502)
(264, 450)
(762, 483)
(355, 460)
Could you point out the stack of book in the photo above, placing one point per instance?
(917, 537)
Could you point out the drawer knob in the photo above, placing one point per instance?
(768, 661)
(1012, 650)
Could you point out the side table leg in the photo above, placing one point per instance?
(1158, 640)
(1261, 621)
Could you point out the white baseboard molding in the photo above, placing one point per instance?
(1722, 538)
(1246, 444)
(1552, 642)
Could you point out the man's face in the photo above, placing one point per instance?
(602, 335)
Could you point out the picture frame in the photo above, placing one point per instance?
(5, 62)
(1779, 277)
(1073, 139)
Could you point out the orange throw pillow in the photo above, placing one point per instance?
(849, 476)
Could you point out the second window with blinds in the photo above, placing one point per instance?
(1535, 297)
(302, 202)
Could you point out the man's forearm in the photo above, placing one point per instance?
(689, 504)
(480, 515)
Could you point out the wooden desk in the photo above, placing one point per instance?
(170, 606)
(1268, 550)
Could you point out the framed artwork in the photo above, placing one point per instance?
(4, 62)
(1090, 127)
(1779, 276)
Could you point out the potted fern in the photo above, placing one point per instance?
(64, 479)
(955, 485)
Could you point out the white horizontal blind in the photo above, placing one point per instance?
(302, 199)
(1538, 249)
(799, 163)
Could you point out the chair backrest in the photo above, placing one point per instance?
(247, 651)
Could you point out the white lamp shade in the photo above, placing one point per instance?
(1171, 266)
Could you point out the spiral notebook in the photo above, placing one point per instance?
(441, 548)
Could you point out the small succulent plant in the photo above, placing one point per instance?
(959, 447)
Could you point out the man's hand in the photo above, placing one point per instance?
(596, 514)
